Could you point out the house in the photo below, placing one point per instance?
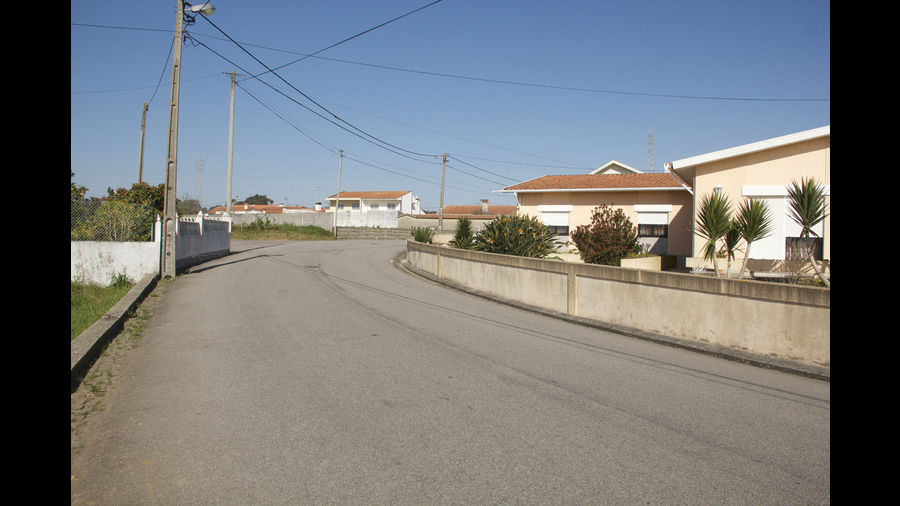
(763, 170)
(659, 204)
(401, 201)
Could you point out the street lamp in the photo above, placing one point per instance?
(167, 252)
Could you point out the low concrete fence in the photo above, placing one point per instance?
(197, 240)
(349, 233)
(779, 320)
(371, 219)
(101, 261)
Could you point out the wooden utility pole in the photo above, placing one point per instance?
(141, 164)
(230, 148)
(441, 210)
(338, 196)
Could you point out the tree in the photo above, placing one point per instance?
(78, 192)
(464, 238)
(753, 222)
(730, 244)
(141, 193)
(713, 223)
(608, 239)
(807, 208)
(259, 200)
(187, 206)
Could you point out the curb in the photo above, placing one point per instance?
(783, 365)
(87, 346)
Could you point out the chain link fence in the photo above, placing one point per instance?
(97, 220)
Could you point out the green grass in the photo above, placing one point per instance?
(91, 301)
(265, 231)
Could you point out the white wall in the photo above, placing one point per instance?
(100, 261)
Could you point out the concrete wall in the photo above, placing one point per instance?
(100, 262)
(369, 233)
(197, 240)
(431, 221)
(778, 320)
(322, 220)
(374, 219)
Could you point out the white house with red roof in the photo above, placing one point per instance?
(402, 202)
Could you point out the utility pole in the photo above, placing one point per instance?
(441, 209)
(169, 225)
(338, 197)
(650, 153)
(230, 148)
(143, 125)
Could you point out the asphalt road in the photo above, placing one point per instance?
(320, 373)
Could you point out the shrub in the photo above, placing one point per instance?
(608, 239)
(516, 235)
(464, 238)
(422, 234)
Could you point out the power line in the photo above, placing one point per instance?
(351, 38)
(308, 98)
(495, 81)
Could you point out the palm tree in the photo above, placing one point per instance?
(753, 222)
(807, 207)
(713, 223)
(731, 240)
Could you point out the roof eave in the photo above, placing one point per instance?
(777, 142)
(665, 188)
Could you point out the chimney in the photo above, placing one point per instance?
(484, 206)
(667, 166)
(318, 206)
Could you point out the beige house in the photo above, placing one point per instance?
(659, 204)
(762, 170)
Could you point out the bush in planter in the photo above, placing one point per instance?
(608, 239)
(517, 235)
(464, 238)
(422, 234)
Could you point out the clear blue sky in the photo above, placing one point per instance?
(583, 82)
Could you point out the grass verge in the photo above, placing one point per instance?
(91, 301)
(267, 231)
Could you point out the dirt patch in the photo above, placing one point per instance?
(97, 390)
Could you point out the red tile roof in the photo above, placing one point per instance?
(599, 182)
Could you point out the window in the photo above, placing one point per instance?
(652, 230)
(392, 207)
(354, 206)
(373, 207)
(556, 218)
